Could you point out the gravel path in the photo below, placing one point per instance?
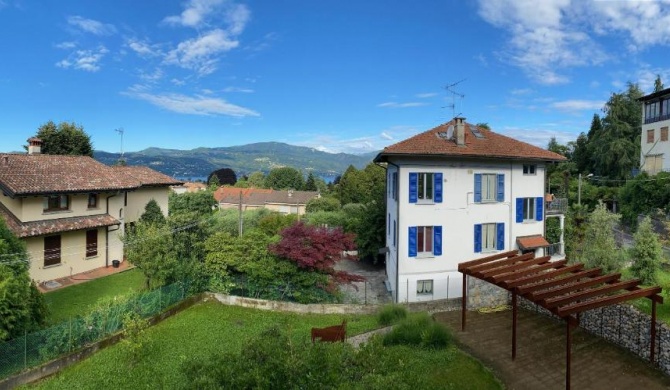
(372, 290)
(357, 340)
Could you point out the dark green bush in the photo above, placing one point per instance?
(390, 314)
(418, 330)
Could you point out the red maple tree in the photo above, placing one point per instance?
(317, 249)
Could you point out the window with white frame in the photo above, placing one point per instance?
(529, 209)
(489, 237)
(424, 287)
(529, 169)
(426, 187)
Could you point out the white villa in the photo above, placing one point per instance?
(455, 193)
(654, 139)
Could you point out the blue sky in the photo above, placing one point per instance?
(341, 76)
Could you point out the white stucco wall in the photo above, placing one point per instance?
(655, 148)
(73, 254)
(457, 214)
(138, 199)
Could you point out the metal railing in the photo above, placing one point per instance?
(557, 206)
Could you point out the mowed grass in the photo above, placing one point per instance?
(78, 299)
(210, 327)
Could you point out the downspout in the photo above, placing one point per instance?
(107, 233)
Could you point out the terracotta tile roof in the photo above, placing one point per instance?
(492, 145)
(262, 196)
(147, 176)
(51, 226)
(532, 242)
(25, 174)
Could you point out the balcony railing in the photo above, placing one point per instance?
(657, 118)
(557, 206)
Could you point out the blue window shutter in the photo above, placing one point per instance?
(412, 241)
(500, 236)
(413, 187)
(519, 210)
(500, 195)
(437, 240)
(478, 187)
(478, 238)
(438, 187)
(538, 208)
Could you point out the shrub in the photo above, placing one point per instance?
(418, 330)
(390, 314)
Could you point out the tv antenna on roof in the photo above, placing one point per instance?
(451, 89)
(120, 130)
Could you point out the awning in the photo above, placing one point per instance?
(532, 242)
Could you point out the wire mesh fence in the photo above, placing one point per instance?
(106, 319)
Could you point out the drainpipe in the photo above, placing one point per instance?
(107, 233)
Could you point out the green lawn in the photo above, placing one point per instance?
(211, 327)
(78, 299)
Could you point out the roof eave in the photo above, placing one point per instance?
(383, 157)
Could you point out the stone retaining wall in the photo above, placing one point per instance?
(484, 294)
(623, 325)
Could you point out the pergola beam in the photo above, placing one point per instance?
(552, 281)
(610, 288)
(527, 283)
(570, 287)
(530, 271)
(610, 300)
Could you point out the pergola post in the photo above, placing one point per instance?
(568, 353)
(464, 304)
(514, 315)
(653, 331)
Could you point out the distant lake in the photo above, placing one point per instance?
(328, 179)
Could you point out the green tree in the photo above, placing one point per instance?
(556, 147)
(151, 250)
(658, 84)
(324, 203)
(22, 306)
(580, 154)
(646, 252)
(284, 178)
(152, 213)
(256, 180)
(310, 183)
(65, 138)
(483, 125)
(196, 204)
(599, 248)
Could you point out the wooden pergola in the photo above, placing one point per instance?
(565, 290)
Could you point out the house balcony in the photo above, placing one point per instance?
(656, 118)
(555, 206)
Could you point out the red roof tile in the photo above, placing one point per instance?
(147, 176)
(51, 226)
(492, 145)
(532, 242)
(25, 174)
(262, 196)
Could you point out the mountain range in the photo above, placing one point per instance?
(244, 159)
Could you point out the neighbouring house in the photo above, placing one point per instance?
(654, 141)
(285, 202)
(71, 210)
(455, 193)
(189, 187)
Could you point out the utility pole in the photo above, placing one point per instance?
(120, 130)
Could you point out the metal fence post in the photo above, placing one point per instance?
(70, 336)
(366, 291)
(25, 349)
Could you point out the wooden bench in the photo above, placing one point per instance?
(330, 333)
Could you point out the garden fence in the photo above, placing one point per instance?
(39, 347)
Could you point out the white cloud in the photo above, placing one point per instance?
(426, 95)
(66, 45)
(546, 38)
(177, 82)
(199, 53)
(401, 105)
(195, 105)
(521, 91)
(152, 77)
(578, 105)
(238, 89)
(198, 13)
(537, 137)
(143, 48)
(387, 136)
(91, 26)
(646, 76)
(87, 60)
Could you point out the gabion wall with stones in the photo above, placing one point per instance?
(623, 325)
(484, 294)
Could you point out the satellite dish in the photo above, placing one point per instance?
(450, 132)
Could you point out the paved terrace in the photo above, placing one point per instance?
(540, 357)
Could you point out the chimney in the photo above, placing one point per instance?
(459, 130)
(34, 145)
